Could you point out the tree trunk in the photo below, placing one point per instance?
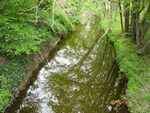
(133, 27)
(146, 46)
(121, 18)
(126, 18)
(133, 23)
(144, 23)
(137, 30)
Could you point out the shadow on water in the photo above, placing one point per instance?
(81, 77)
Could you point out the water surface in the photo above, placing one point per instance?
(80, 77)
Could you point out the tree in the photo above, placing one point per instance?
(126, 17)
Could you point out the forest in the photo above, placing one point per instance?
(26, 25)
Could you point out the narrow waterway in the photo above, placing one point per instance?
(81, 76)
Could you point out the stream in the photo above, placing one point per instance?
(81, 76)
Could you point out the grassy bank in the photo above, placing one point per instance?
(135, 67)
(22, 34)
(15, 73)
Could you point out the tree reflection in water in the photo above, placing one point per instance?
(89, 85)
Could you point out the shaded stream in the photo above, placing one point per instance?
(81, 77)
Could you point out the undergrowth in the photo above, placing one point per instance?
(11, 73)
(24, 29)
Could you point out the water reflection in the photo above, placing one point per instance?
(81, 78)
(88, 86)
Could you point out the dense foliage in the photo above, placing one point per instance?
(10, 75)
(26, 24)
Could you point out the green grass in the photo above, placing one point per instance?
(136, 67)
